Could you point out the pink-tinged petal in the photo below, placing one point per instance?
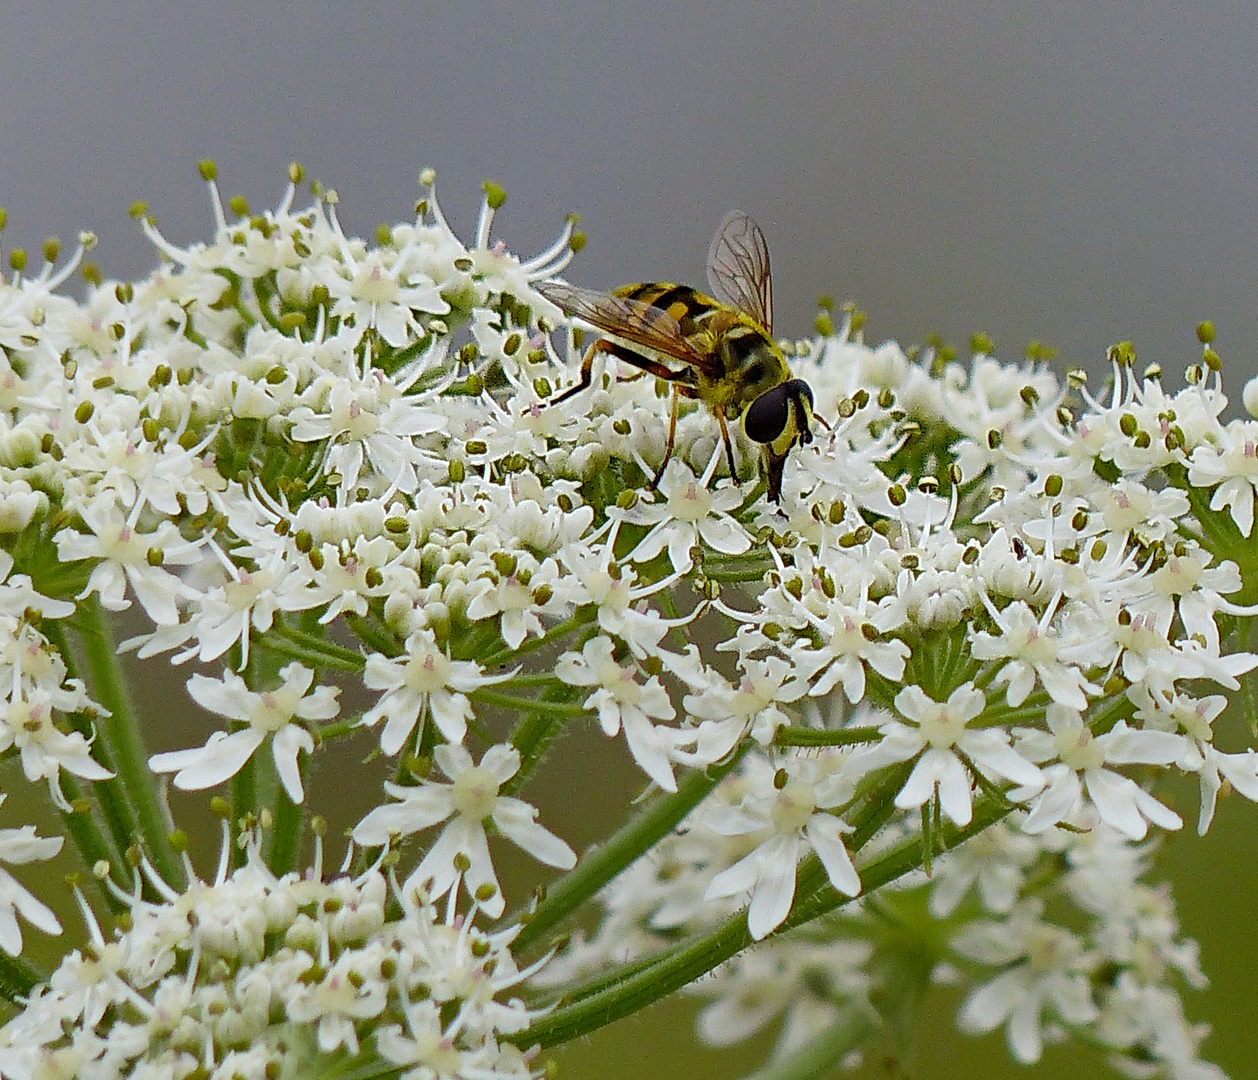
(825, 835)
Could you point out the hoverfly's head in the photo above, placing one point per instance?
(778, 419)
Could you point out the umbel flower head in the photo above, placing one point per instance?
(987, 610)
(254, 975)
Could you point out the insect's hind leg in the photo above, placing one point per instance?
(587, 373)
(621, 352)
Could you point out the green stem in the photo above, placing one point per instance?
(311, 650)
(92, 843)
(825, 1051)
(649, 980)
(373, 636)
(801, 736)
(583, 616)
(284, 844)
(83, 830)
(601, 864)
(122, 739)
(543, 720)
(486, 696)
(17, 979)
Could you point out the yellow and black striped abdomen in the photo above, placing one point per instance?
(689, 308)
(745, 358)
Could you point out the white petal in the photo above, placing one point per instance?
(824, 832)
(775, 890)
(286, 744)
(218, 760)
(516, 821)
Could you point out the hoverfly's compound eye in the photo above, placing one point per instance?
(766, 417)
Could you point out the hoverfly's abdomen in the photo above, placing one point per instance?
(688, 308)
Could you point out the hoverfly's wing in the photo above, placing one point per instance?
(738, 268)
(632, 320)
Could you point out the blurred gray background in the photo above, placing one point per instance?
(1069, 172)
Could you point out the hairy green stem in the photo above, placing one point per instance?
(656, 977)
(601, 864)
(124, 743)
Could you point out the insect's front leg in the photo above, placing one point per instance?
(680, 390)
(729, 446)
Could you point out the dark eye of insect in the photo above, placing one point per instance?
(766, 416)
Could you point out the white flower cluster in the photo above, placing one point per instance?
(254, 976)
(983, 588)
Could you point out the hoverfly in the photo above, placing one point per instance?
(723, 342)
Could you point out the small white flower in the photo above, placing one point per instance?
(421, 683)
(938, 735)
(269, 713)
(689, 512)
(465, 804)
(1076, 763)
(1044, 969)
(624, 702)
(1233, 465)
(1033, 649)
(787, 815)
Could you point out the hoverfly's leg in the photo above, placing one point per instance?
(644, 364)
(680, 390)
(668, 446)
(587, 373)
(729, 447)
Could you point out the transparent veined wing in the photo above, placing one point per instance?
(738, 268)
(633, 321)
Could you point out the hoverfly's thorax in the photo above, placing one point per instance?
(752, 362)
